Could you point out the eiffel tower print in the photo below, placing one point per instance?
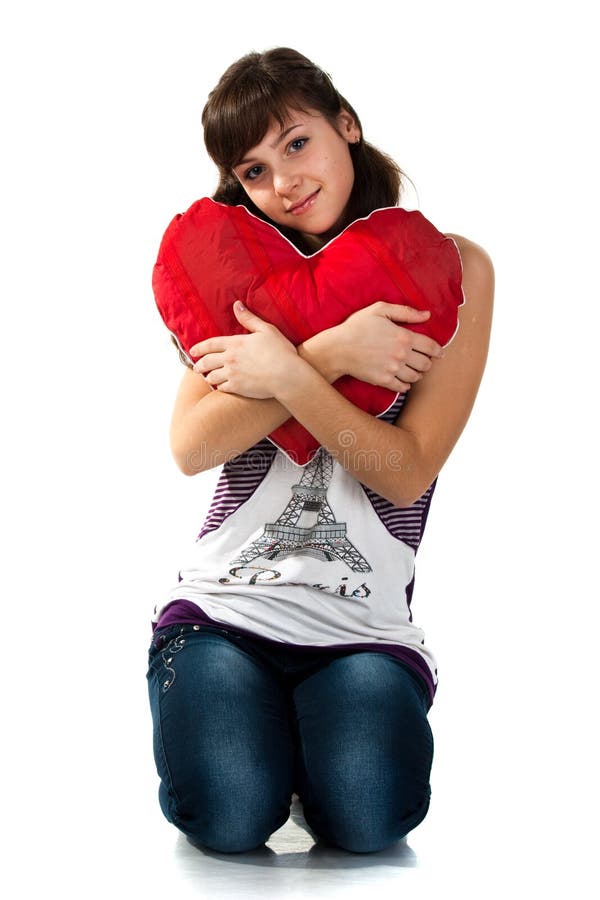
(307, 524)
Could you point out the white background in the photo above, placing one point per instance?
(490, 109)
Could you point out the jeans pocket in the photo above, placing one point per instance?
(165, 645)
(160, 639)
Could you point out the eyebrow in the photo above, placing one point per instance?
(283, 135)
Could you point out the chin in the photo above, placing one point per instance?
(327, 234)
(321, 229)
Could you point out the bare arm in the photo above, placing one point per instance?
(208, 426)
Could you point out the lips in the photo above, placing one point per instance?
(304, 205)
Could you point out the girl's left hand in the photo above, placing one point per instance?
(246, 364)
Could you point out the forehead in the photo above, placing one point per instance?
(290, 118)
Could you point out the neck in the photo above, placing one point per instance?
(314, 241)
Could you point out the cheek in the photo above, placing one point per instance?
(342, 170)
(343, 175)
(260, 197)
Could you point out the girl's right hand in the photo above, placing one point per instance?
(373, 348)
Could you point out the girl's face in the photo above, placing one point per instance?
(301, 175)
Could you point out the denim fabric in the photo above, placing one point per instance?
(239, 727)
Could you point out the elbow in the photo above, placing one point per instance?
(183, 467)
(413, 473)
(193, 460)
(418, 486)
(407, 500)
(189, 462)
(186, 470)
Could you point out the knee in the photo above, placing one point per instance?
(380, 834)
(222, 833)
(227, 837)
(365, 826)
(230, 822)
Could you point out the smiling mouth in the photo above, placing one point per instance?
(305, 205)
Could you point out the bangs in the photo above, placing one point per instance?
(241, 118)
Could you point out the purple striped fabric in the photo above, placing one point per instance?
(405, 524)
(239, 479)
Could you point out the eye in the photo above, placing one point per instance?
(253, 173)
(293, 146)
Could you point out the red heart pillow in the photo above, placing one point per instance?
(214, 254)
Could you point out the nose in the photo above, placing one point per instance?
(285, 182)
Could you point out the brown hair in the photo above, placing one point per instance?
(259, 88)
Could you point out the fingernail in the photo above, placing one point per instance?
(240, 304)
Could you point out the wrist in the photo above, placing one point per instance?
(300, 380)
(322, 352)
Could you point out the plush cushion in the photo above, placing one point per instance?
(214, 254)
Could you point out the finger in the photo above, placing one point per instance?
(418, 361)
(401, 386)
(208, 362)
(400, 313)
(199, 349)
(408, 374)
(248, 319)
(216, 377)
(423, 344)
(210, 345)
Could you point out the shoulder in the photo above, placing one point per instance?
(478, 283)
(476, 262)
(468, 247)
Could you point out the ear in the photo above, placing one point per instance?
(348, 127)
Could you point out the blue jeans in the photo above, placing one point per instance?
(240, 726)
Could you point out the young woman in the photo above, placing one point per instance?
(286, 658)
